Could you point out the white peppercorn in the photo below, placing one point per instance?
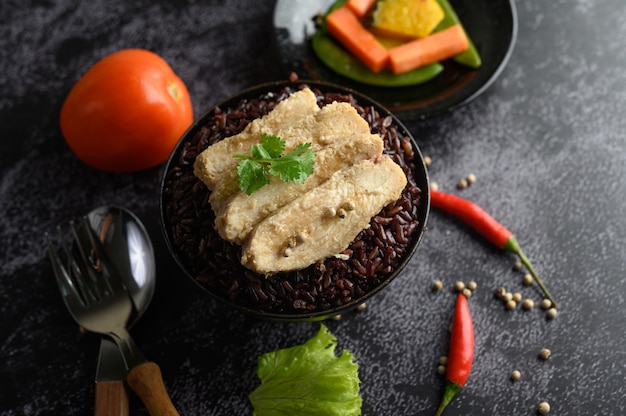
(543, 408)
(500, 292)
(527, 279)
(551, 314)
(545, 353)
(300, 238)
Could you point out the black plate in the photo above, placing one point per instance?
(491, 24)
(180, 165)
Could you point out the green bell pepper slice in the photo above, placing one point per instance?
(344, 63)
(470, 57)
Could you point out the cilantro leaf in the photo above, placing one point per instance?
(274, 146)
(308, 379)
(295, 166)
(266, 159)
(252, 176)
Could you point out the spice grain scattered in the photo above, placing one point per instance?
(527, 280)
(543, 408)
(500, 292)
(544, 353)
(551, 314)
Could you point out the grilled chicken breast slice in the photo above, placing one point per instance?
(242, 212)
(325, 220)
(216, 159)
(331, 122)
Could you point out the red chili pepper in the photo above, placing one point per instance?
(461, 353)
(487, 226)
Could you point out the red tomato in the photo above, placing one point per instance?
(127, 112)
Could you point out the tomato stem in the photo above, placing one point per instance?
(173, 90)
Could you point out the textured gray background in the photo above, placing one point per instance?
(547, 142)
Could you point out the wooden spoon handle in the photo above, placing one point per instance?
(111, 399)
(146, 380)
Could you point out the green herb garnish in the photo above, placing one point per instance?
(267, 159)
(307, 380)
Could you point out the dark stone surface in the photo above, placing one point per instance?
(547, 143)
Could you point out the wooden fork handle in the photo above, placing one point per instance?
(111, 399)
(146, 381)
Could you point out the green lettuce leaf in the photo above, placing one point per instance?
(308, 379)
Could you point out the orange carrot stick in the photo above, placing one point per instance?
(433, 48)
(360, 7)
(344, 26)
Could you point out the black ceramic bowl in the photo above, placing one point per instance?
(320, 291)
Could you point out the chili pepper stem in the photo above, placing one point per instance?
(512, 245)
(450, 391)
